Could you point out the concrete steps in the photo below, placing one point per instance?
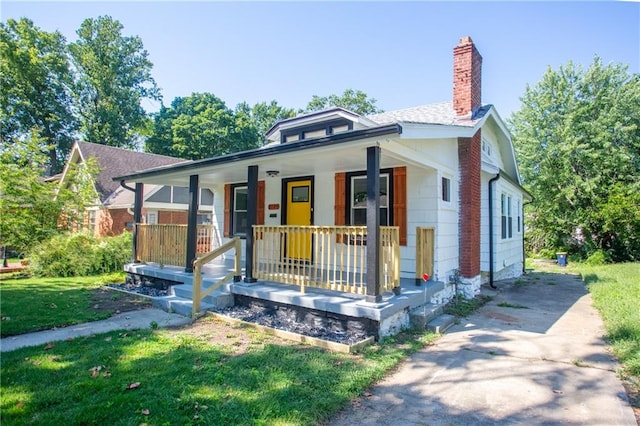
(180, 299)
(421, 316)
(441, 323)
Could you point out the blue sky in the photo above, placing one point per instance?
(397, 52)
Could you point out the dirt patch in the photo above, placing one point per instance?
(632, 386)
(500, 316)
(236, 337)
(115, 302)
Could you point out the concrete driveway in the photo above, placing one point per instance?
(533, 355)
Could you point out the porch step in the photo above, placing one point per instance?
(422, 315)
(179, 305)
(220, 298)
(441, 323)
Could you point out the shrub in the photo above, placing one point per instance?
(69, 255)
(599, 257)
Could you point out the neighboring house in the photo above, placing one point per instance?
(111, 212)
(447, 168)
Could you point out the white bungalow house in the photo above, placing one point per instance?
(366, 204)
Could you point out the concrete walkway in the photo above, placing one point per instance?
(533, 355)
(123, 321)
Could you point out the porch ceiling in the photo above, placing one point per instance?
(334, 158)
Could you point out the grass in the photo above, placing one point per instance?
(511, 305)
(164, 377)
(615, 290)
(32, 304)
(461, 307)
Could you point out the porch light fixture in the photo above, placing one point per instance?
(272, 173)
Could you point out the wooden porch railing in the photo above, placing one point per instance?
(330, 257)
(425, 238)
(198, 294)
(167, 244)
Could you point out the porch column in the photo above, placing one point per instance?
(373, 224)
(192, 222)
(137, 218)
(252, 216)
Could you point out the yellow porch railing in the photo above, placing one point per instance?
(425, 239)
(329, 257)
(167, 244)
(198, 294)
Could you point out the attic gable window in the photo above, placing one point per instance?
(318, 130)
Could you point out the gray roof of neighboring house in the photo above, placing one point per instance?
(117, 162)
(440, 113)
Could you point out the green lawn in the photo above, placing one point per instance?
(167, 377)
(616, 294)
(32, 304)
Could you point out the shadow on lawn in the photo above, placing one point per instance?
(181, 380)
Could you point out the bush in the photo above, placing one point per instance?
(69, 255)
(599, 257)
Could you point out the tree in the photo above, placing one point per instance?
(265, 115)
(113, 77)
(35, 82)
(353, 100)
(577, 137)
(32, 208)
(201, 126)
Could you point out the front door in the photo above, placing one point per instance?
(299, 208)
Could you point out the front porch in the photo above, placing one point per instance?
(317, 268)
(386, 317)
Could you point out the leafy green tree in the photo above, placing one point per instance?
(113, 77)
(201, 126)
(33, 209)
(577, 137)
(264, 115)
(35, 82)
(354, 100)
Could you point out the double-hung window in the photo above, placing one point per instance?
(446, 189)
(507, 216)
(239, 214)
(358, 200)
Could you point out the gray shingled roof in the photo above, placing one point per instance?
(118, 162)
(441, 113)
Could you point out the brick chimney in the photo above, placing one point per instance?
(467, 67)
(467, 77)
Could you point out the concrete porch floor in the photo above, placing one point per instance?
(352, 305)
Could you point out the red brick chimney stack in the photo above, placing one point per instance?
(467, 77)
(467, 67)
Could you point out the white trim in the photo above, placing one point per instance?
(413, 157)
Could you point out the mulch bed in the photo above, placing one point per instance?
(269, 318)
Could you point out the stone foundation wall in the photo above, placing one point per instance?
(313, 317)
(511, 271)
(394, 324)
(146, 281)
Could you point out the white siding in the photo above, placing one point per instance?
(507, 254)
(425, 207)
(323, 212)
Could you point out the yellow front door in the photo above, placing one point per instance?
(299, 195)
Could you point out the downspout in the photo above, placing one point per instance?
(125, 186)
(524, 259)
(491, 229)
